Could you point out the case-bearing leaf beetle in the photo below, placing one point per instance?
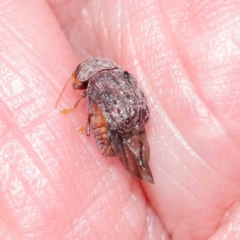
(118, 113)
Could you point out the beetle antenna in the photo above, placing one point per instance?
(62, 92)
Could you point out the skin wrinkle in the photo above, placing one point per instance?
(120, 221)
(15, 227)
(223, 221)
(54, 186)
(35, 122)
(93, 228)
(149, 231)
(18, 73)
(23, 40)
(186, 168)
(201, 5)
(85, 214)
(219, 216)
(182, 216)
(26, 44)
(43, 171)
(208, 14)
(124, 213)
(22, 179)
(35, 198)
(229, 226)
(146, 228)
(130, 199)
(93, 203)
(106, 170)
(126, 200)
(34, 54)
(95, 188)
(182, 210)
(68, 175)
(116, 228)
(82, 229)
(40, 70)
(103, 172)
(74, 190)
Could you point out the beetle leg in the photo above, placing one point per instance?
(87, 129)
(81, 129)
(68, 110)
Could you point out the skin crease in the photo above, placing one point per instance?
(54, 182)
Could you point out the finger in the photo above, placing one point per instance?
(186, 57)
(50, 174)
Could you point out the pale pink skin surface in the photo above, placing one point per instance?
(54, 182)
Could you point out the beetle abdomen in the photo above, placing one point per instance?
(100, 131)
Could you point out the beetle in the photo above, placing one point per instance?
(118, 112)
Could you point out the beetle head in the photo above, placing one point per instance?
(88, 69)
(76, 81)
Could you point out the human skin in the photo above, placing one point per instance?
(54, 182)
